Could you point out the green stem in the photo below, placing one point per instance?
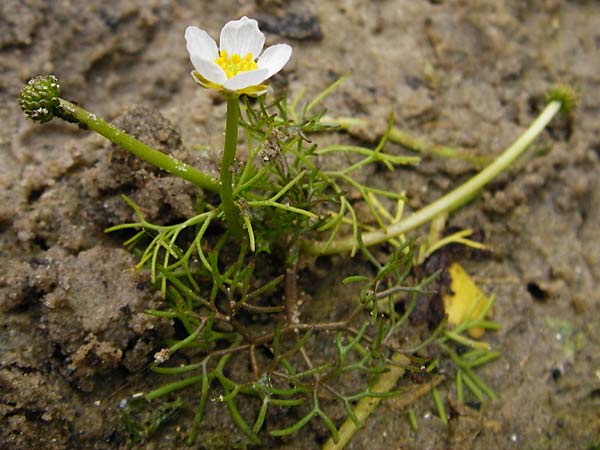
(73, 113)
(439, 404)
(232, 213)
(448, 202)
(171, 387)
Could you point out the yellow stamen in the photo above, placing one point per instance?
(234, 64)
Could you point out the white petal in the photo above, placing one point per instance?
(274, 58)
(246, 79)
(241, 37)
(209, 70)
(200, 44)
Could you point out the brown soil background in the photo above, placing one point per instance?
(472, 74)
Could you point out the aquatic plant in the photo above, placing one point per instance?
(229, 274)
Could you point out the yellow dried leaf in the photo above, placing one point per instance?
(465, 298)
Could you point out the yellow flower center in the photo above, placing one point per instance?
(234, 64)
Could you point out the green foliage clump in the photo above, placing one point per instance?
(230, 274)
(246, 344)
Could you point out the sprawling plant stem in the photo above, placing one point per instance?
(448, 202)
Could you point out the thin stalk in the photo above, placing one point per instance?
(175, 386)
(460, 393)
(232, 213)
(439, 404)
(448, 202)
(412, 419)
(86, 120)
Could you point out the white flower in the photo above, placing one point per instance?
(236, 66)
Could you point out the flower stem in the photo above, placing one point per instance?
(232, 213)
(448, 202)
(86, 120)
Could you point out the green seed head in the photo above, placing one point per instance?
(40, 97)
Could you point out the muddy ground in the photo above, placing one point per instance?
(74, 338)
